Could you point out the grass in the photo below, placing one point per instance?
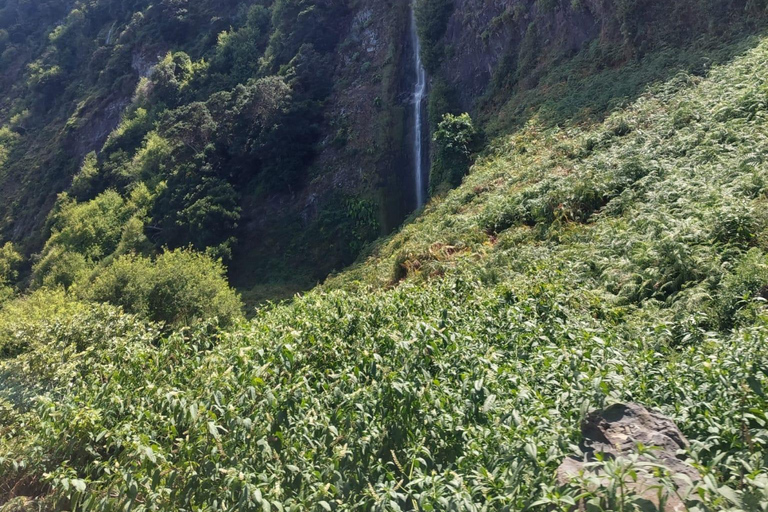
(573, 268)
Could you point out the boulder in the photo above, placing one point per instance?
(616, 432)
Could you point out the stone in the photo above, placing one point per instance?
(616, 432)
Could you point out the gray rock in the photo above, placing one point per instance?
(616, 432)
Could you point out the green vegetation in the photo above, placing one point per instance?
(178, 288)
(9, 261)
(432, 21)
(572, 268)
(215, 107)
(456, 139)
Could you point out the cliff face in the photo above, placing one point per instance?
(481, 34)
(361, 161)
(496, 50)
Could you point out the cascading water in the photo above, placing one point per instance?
(109, 35)
(419, 94)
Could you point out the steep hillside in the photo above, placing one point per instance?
(275, 134)
(233, 115)
(574, 267)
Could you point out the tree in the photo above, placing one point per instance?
(170, 76)
(84, 182)
(192, 125)
(234, 61)
(9, 262)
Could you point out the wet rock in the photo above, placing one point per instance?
(617, 432)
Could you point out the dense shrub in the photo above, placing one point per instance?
(744, 290)
(455, 140)
(9, 262)
(169, 78)
(83, 234)
(179, 287)
(25, 322)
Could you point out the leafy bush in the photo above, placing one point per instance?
(169, 78)
(744, 290)
(9, 262)
(179, 287)
(27, 320)
(456, 139)
(86, 180)
(83, 234)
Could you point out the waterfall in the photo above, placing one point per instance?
(419, 93)
(109, 35)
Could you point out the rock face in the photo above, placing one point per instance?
(616, 432)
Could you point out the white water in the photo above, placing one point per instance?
(419, 93)
(109, 35)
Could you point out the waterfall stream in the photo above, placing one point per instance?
(419, 94)
(109, 35)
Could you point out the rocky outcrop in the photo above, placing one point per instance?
(617, 432)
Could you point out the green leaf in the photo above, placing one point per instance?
(756, 386)
(729, 494)
(78, 484)
(489, 403)
(214, 430)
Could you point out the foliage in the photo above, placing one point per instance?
(7, 142)
(169, 78)
(350, 222)
(442, 100)
(25, 321)
(455, 140)
(233, 60)
(82, 234)
(432, 21)
(302, 22)
(177, 288)
(83, 183)
(9, 263)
